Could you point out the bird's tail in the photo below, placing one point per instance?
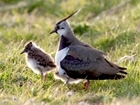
(123, 72)
(121, 68)
(109, 77)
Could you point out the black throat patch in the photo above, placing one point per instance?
(64, 42)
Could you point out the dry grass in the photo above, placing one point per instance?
(116, 33)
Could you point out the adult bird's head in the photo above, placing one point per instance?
(62, 27)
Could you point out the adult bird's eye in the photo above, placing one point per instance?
(58, 27)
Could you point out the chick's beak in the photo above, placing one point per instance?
(22, 52)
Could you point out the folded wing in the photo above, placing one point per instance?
(44, 61)
(90, 64)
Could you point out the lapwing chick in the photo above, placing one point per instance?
(37, 60)
(78, 60)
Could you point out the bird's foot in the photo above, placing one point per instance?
(86, 85)
(41, 74)
(45, 76)
(67, 83)
(68, 86)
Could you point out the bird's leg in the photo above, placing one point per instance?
(45, 76)
(67, 82)
(41, 73)
(86, 84)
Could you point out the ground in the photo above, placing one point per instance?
(109, 25)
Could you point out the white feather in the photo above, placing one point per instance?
(64, 79)
(61, 32)
(60, 55)
(31, 63)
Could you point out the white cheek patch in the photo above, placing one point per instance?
(61, 32)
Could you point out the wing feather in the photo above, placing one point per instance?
(76, 68)
(99, 69)
(42, 58)
(85, 53)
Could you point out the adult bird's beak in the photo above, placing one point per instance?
(53, 31)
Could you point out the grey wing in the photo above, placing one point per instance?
(76, 68)
(100, 69)
(87, 62)
(85, 53)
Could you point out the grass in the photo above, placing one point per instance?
(104, 24)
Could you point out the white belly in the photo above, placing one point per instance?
(32, 65)
(60, 55)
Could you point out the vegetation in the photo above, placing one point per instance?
(109, 25)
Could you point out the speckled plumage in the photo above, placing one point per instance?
(37, 60)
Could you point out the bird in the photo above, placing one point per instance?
(64, 78)
(78, 60)
(37, 60)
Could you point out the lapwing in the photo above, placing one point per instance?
(37, 60)
(78, 60)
